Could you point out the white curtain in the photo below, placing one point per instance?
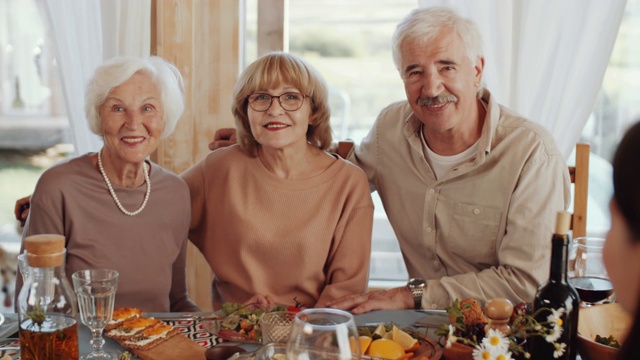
(545, 59)
(86, 33)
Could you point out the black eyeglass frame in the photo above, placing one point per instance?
(271, 97)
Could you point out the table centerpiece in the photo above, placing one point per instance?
(498, 331)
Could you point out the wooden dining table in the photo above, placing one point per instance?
(427, 319)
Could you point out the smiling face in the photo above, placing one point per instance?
(621, 254)
(131, 117)
(277, 128)
(441, 82)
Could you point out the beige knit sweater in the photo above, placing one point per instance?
(309, 239)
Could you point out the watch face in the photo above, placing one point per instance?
(416, 282)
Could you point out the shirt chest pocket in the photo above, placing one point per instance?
(473, 232)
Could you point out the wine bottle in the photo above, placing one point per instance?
(557, 304)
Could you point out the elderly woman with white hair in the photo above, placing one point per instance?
(104, 203)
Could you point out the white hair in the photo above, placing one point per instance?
(116, 71)
(424, 24)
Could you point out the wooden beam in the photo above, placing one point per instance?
(201, 39)
(273, 31)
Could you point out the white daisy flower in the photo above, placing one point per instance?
(505, 356)
(451, 338)
(555, 317)
(495, 339)
(482, 353)
(560, 348)
(554, 335)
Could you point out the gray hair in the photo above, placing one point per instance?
(424, 24)
(116, 71)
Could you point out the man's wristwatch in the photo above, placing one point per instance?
(417, 285)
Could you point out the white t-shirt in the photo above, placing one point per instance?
(442, 164)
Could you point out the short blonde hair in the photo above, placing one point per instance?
(116, 71)
(270, 71)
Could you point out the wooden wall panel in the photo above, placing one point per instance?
(201, 38)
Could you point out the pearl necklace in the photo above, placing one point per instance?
(113, 193)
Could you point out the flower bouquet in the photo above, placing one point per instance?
(498, 331)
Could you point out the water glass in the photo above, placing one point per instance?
(96, 291)
(23, 266)
(587, 273)
(276, 326)
(319, 334)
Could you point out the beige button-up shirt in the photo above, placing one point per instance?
(483, 230)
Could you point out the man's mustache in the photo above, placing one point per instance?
(440, 99)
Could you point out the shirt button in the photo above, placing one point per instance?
(429, 229)
(476, 211)
(434, 306)
(436, 263)
(431, 191)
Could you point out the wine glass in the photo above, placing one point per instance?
(587, 273)
(323, 334)
(23, 266)
(96, 290)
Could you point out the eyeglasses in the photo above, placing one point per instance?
(289, 101)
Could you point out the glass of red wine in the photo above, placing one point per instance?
(587, 273)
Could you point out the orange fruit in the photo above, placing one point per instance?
(380, 331)
(405, 340)
(385, 348)
(364, 343)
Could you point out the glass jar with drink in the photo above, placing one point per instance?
(47, 308)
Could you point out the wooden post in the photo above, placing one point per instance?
(201, 39)
(272, 26)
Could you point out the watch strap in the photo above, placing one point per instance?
(417, 297)
(416, 286)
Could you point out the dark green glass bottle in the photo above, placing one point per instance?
(557, 297)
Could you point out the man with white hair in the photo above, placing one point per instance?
(470, 188)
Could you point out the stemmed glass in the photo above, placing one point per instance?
(587, 272)
(23, 266)
(96, 290)
(323, 334)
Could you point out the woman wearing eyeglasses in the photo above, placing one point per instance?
(276, 216)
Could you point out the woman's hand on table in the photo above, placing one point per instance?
(392, 299)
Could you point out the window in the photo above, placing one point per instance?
(33, 123)
(350, 44)
(617, 107)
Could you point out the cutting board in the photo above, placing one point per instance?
(176, 347)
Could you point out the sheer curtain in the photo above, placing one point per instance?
(545, 59)
(86, 33)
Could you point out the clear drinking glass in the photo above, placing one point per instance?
(96, 291)
(587, 273)
(276, 326)
(323, 334)
(23, 266)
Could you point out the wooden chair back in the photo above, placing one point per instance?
(580, 179)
